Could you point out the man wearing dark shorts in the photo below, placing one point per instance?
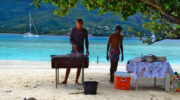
(116, 42)
(77, 37)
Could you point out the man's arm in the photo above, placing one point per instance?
(72, 41)
(86, 40)
(72, 37)
(121, 46)
(109, 41)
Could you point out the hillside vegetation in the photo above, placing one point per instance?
(14, 19)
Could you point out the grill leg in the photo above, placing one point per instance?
(56, 76)
(83, 73)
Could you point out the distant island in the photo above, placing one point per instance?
(14, 19)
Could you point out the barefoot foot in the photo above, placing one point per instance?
(111, 80)
(64, 82)
(77, 83)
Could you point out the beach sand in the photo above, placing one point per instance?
(24, 79)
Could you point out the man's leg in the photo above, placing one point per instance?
(111, 71)
(115, 66)
(77, 76)
(67, 75)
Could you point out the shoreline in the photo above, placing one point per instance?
(91, 62)
(67, 35)
(46, 65)
(88, 36)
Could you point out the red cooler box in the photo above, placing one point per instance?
(122, 80)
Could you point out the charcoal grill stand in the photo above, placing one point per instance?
(83, 73)
(57, 75)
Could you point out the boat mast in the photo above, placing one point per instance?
(30, 21)
(35, 28)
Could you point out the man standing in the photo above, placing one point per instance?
(77, 37)
(116, 42)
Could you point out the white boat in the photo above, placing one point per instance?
(30, 34)
(153, 37)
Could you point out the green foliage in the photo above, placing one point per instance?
(160, 10)
(163, 14)
(124, 7)
(162, 30)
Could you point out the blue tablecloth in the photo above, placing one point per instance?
(149, 70)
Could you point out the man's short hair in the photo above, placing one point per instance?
(79, 20)
(119, 28)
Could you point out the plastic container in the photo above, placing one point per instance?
(122, 80)
(90, 87)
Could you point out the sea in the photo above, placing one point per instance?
(18, 47)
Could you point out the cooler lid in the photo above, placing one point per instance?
(118, 73)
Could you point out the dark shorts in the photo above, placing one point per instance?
(114, 54)
(78, 52)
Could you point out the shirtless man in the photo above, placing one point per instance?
(78, 36)
(116, 42)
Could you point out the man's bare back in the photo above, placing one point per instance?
(115, 40)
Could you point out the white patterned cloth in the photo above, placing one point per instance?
(149, 70)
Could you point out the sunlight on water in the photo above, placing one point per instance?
(17, 47)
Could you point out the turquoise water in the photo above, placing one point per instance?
(17, 47)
